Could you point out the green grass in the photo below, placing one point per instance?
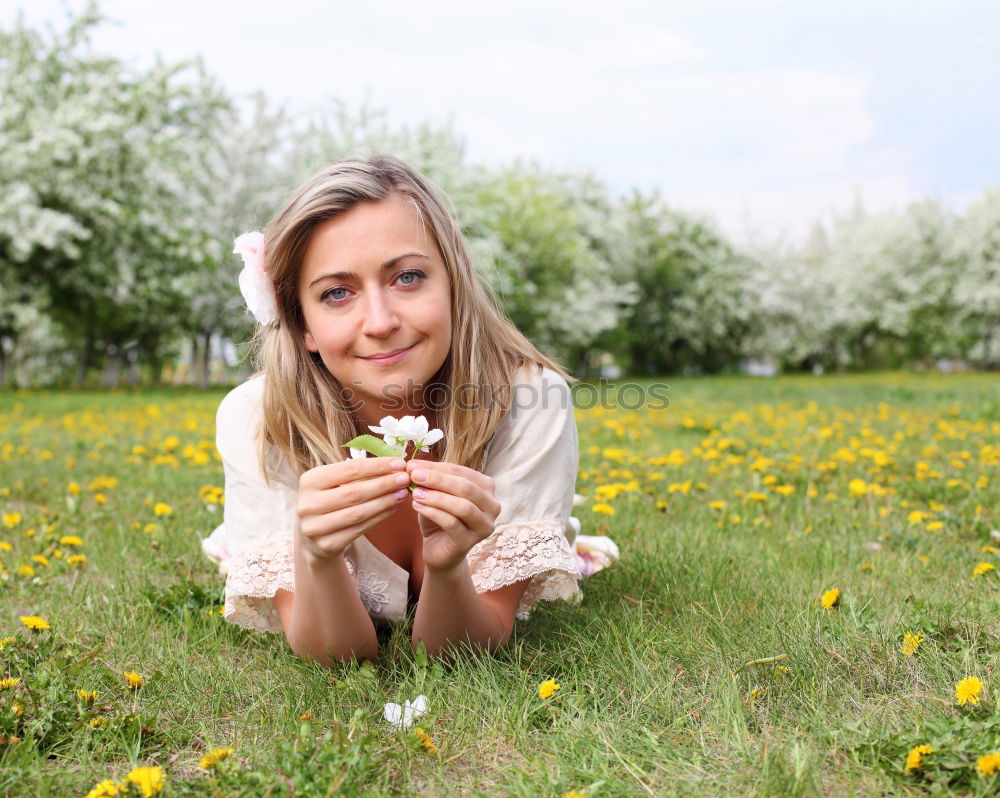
(649, 702)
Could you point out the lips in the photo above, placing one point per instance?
(387, 355)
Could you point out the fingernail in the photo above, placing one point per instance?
(402, 480)
(397, 465)
(399, 495)
(419, 493)
(419, 475)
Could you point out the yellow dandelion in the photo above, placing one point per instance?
(11, 520)
(160, 508)
(106, 789)
(6, 684)
(70, 540)
(603, 508)
(34, 621)
(98, 723)
(215, 756)
(76, 559)
(915, 759)
(547, 688)
(150, 528)
(830, 599)
(87, 696)
(988, 764)
(5, 546)
(149, 780)
(17, 708)
(132, 678)
(425, 741)
(25, 570)
(968, 690)
(6, 641)
(857, 487)
(100, 498)
(41, 559)
(983, 568)
(73, 489)
(573, 794)
(911, 642)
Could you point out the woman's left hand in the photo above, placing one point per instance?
(455, 507)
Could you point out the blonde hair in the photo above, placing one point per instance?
(306, 412)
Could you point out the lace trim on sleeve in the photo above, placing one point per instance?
(537, 551)
(255, 575)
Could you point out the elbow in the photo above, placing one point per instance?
(447, 649)
(330, 656)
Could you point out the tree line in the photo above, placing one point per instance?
(123, 188)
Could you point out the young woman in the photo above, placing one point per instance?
(369, 308)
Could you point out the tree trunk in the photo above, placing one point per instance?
(206, 360)
(195, 359)
(986, 360)
(133, 374)
(86, 357)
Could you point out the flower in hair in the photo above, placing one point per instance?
(256, 286)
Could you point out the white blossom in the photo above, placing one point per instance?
(402, 717)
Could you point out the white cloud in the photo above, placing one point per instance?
(629, 91)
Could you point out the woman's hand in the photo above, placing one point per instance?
(455, 507)
(341, 501)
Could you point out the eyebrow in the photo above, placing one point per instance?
(389, 264)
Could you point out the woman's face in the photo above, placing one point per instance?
(376, 299)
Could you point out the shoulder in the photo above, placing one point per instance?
(243, 402)
(240, 412)
(539, 391)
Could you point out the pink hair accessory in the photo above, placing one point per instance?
(255, 285)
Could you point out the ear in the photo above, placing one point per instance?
(309, 342)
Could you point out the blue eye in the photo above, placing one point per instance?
(415, 274)
(337, 294)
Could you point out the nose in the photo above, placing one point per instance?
(381, 318)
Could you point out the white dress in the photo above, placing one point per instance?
(532, 458)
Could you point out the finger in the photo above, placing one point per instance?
(353, 533)
(319, 502)
(465, 512)
(457, 485)
(334, 474)
(484, 481)
(316, 526)
(451, 525)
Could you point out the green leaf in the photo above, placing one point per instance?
(375, 446)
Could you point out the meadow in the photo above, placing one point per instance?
(806, 604)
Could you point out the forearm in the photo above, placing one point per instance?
(327, 621)
(450, 612)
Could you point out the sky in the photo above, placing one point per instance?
(766, 115)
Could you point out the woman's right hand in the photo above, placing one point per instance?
(341, 501)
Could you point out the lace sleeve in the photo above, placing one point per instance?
(255, 575)
(533, 460)
(259, 515)
(537, 551)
